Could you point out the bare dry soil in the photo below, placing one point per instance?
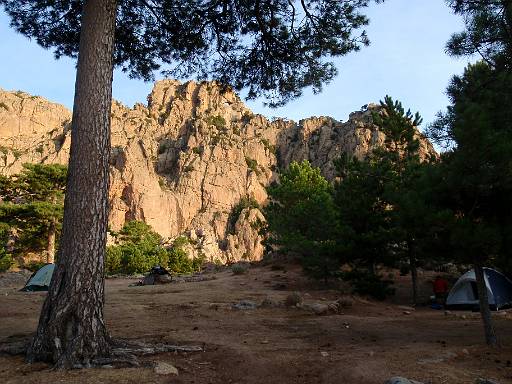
(368, 342)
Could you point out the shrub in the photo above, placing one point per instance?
(139, 232)
(366, 283)
(140, 250)
(162, 183)
(245, 202)
(179, 262)
(16, 153)
(136, 258)
(269, 147)
(217, 121)
(180, 242)
(113, 260)
(252, 164)
(238, 269)
(6, 262)
(162, 147)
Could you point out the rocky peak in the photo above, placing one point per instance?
(190, 159)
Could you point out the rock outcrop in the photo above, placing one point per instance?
(184, 162)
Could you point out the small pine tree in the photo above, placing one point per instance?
(302, 219)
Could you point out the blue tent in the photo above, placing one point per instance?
(464, 293)
(40, 280)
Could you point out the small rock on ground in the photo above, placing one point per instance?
(162, 368)
(319, 309)
(294, 300)
(244, 305)
(268, 302)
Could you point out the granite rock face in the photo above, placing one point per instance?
(183, 162)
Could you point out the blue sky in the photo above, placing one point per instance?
(405, 60)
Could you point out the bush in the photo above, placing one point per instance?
(217, 121)
(252, 164)
(113, 260)
(140, 250)
(245, 202)
(179, 262)
(238, 269)
(6, 262)
(139, 259)
(365, 283)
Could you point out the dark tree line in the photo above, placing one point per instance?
(390, 205)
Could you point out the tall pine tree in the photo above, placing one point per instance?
(271, 48)
(475, 181)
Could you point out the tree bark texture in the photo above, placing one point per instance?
(50, 247)
(485, 312)
(71, 331)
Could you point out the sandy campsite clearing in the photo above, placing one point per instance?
(367, 342)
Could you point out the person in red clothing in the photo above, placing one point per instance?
(440, 290)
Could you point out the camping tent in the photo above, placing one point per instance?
(464, 293)
(40, 280)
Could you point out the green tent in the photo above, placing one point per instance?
(40, 280)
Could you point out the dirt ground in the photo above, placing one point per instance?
(368, 342)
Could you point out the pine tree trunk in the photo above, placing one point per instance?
(490, 335)
(414, 273)
(50, 246)
(71, 330)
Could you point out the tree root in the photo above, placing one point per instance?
(121, 347)
(14, 348)
(124, 353)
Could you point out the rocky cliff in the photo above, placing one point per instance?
(185, 161)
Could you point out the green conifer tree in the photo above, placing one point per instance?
(270, 48)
